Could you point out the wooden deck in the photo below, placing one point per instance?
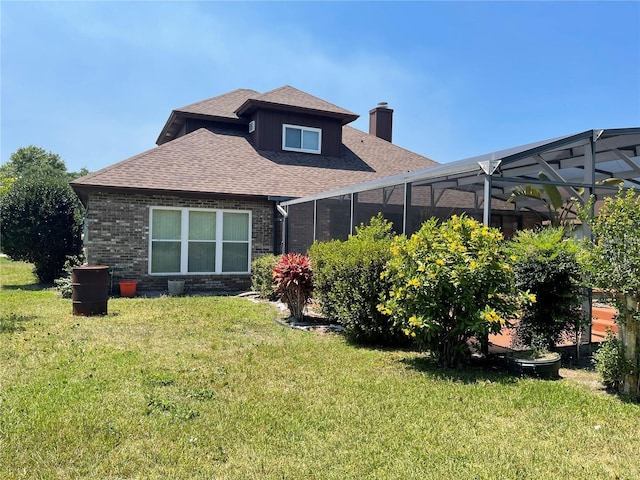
(602, 318)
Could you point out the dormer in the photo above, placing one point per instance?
(288, 119)
(284, 119)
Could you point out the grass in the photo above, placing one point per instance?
(211, 387)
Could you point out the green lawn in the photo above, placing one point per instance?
(210, 387)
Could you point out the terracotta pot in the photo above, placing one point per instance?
(128, 288)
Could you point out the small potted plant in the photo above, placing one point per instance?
(536, 360)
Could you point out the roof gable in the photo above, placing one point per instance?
(221, 107)
(290, 98)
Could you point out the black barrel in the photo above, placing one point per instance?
(90, 290)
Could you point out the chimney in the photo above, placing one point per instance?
(381, 121)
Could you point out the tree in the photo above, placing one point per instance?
(560, 211)
(5, 185)
(612, 261)
(33, 160)
(81, 173)
(41, 223)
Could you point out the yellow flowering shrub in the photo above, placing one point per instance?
(450, 282)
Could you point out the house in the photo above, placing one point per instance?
(204, 202)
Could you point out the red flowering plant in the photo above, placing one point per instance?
(293, 282)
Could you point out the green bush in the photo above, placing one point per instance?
(349, 287)
(546, 264)
(613, 264)
(451, 283)
(64, 285)
(262, 276)
(610, 362)
(41, 224)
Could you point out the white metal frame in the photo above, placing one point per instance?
(302, 130)
(589, 157)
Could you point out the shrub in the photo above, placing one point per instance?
(64, 286)
(546, 264)
(348, 283)
(451, 283)
(41, 224)
(610, 362)
(262, 276)
(613, 264)
(293, 280)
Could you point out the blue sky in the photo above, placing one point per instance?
(96, 81)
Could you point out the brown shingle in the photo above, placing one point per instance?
(227, 163)
(223, 106)
(293, 97)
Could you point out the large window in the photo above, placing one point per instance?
(199, 241)
(301, 139)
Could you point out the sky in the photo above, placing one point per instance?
(96, 81)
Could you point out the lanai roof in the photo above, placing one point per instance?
(565, 160)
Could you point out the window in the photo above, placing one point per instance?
(199, 241)
(301, 139)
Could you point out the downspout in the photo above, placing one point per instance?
(354, 199)
(486, 207)
(405, 210)
(283, 242)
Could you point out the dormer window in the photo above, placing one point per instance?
(301, 139)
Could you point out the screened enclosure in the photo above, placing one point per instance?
(500, 189)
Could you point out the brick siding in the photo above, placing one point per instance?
(118, 236)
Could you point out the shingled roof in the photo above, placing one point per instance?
(221, 106)
(292, 98)
(220, 162)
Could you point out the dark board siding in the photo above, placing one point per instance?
(268, 134)
(193, 125)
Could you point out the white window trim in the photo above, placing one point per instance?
(303, 129)
(184, 241)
